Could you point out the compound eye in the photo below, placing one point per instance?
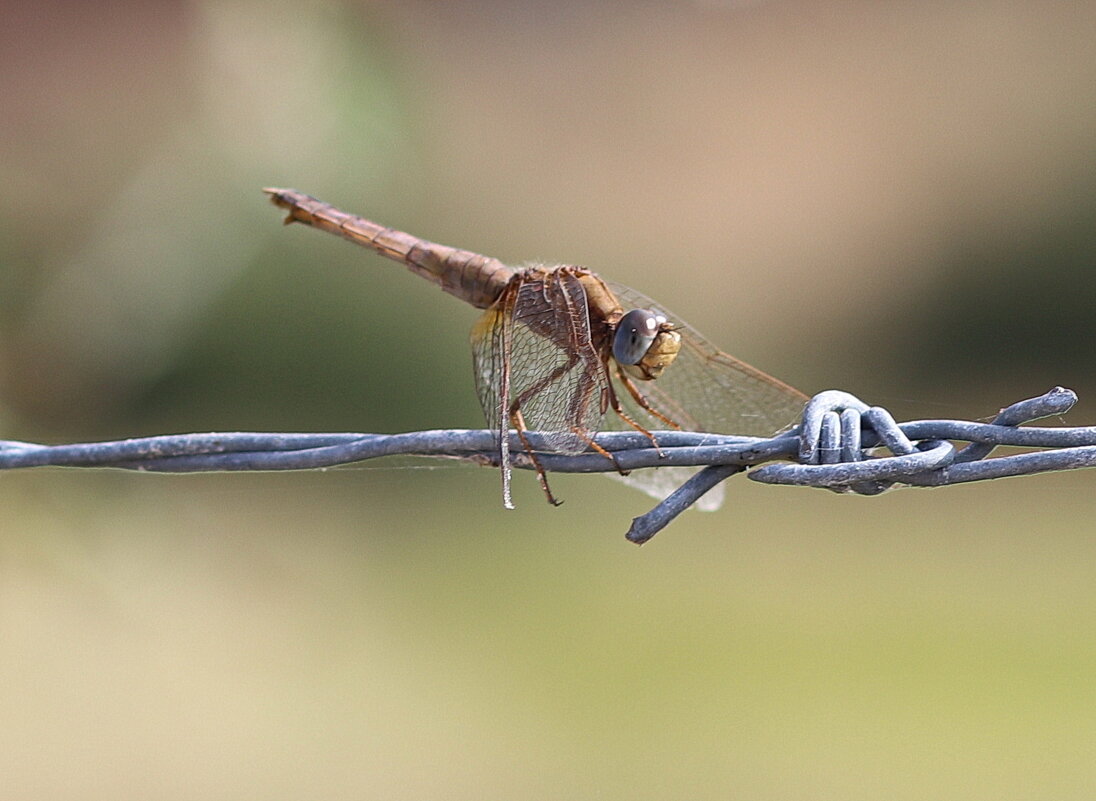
(635, 332)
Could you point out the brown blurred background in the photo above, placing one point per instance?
(893, 199)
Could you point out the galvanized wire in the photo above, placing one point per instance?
(834, 447)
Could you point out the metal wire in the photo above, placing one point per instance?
(833, 448)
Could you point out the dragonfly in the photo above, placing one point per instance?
(564, 353)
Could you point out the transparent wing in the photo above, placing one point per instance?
(659, 482)
(556, 378)
(487, 347)
(703, 390)
(559, 386)
(708, 390)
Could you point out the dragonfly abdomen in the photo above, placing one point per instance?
(472, 277)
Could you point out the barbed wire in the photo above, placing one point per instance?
(834, 447)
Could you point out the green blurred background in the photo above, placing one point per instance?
(893, 199)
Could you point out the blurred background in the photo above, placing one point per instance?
(892, 199)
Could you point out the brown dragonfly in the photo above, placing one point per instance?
(565, 353)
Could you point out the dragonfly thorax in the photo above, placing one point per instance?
(645, 344)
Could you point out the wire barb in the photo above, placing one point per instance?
(832, 448)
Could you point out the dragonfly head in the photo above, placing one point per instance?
(645, 344)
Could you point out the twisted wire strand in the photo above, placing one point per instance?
(833, 448)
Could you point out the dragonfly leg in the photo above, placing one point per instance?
(598, 449)
(518, 422)
(641, 399)
(644, 404)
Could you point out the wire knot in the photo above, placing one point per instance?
(839, 434)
